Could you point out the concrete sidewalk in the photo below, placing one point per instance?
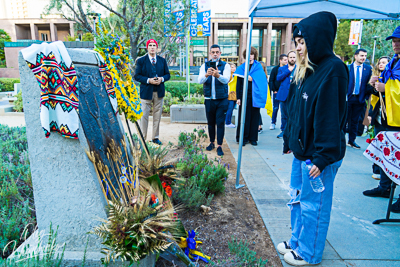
(352, 238)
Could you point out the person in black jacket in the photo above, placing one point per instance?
(152, 72)
(274, 87)
(317, 110)
(215, 78)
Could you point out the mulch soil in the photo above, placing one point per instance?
(233, 214)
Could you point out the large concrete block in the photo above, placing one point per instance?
(188, 113)
(66, 190)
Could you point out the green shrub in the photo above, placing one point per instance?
(247, 256)
(87, 37)
(191, 195)
(16, 193)
(195, 164)
(180, 89)
(18, 105)
(7, 84)
(177, 78)
(168, 101)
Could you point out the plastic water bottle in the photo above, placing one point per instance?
(316, 183)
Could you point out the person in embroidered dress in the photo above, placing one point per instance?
(385, 116)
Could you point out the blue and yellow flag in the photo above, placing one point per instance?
(391, 78)
(261, 94)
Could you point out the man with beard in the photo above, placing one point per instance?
(358, 92)
(285, 75)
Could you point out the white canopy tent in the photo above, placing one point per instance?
(343, 9)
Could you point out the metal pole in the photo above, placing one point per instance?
(373, 51)
(188, 59)
(180, 61)
(361, 29)
(244, 100)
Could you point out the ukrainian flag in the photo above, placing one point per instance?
(261, 93)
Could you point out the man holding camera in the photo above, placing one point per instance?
(215, 75)
(152, 71)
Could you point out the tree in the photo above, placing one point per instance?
(4, 37)
(381, 29)
(341, 46)
(135, 20)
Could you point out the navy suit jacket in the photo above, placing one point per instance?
(144, 70)
(365, 88)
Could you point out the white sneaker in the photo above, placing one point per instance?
(376, 176)
(230, 125)
(272, 127)
(284, 247)
(294, 259)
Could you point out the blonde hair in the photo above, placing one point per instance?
(302, 65)
(376, 71)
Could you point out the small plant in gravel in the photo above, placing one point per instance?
(247, 256)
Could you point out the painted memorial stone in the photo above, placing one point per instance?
(96, 114)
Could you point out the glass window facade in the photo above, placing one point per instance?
(275, 46)
(256, 41)
(228, 40)
(200, 50)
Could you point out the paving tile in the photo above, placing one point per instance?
(352, 238)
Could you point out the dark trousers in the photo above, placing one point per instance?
(284, 114)
(251, 123)
(355, 108)
(231, 106)
(216, 112)
(275, 104)
(384, 182)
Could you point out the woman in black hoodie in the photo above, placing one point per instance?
(317, 115)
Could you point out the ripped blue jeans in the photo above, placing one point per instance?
(310, 211)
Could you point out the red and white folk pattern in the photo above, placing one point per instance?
(384, 151)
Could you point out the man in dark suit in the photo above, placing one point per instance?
(358, 92)
(152, 71)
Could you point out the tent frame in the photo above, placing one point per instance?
(246, 73)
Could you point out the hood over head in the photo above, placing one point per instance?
(319, 32)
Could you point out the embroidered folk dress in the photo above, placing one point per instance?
(384, 151)
(57, 78)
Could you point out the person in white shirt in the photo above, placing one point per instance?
(215, 75)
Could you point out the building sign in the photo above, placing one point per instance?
(204, 18)
(355, 30)
(177, 9)
(193, 18)
(200, 17)
(197, 42)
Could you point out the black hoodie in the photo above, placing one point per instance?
(317, 106)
